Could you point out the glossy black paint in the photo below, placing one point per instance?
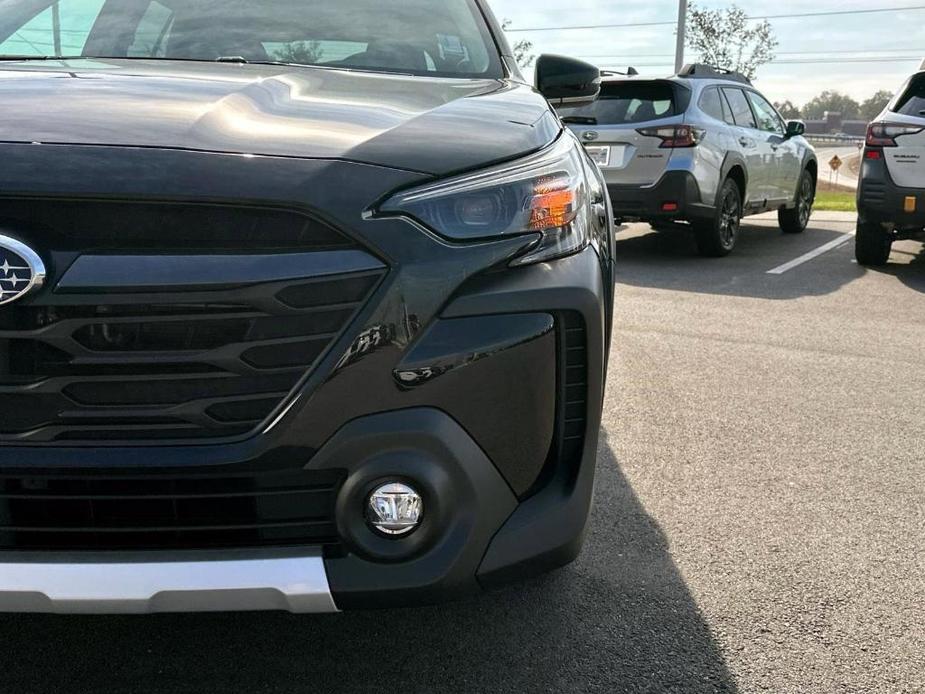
(458, 366)
(332, 144)
(454, 344)
(192, 272)
(426, 124)
(565, 80)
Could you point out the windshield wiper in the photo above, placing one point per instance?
(580, 120)
(24, 58)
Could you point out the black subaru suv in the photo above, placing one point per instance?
(304, 305)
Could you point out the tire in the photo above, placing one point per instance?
(795, 221)
(717, 237)
(872, 244)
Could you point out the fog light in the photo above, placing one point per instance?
(394, 509)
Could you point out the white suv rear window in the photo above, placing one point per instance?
(912, 102)
(628, 102)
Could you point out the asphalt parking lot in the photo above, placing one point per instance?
(759, 521)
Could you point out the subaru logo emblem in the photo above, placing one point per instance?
(590, 136)
(21, 270)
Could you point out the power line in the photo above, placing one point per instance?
(821, 61)
(832, 13)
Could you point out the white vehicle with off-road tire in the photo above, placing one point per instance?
(891, 192)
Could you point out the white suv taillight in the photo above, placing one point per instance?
(674, 136)
(885, 134)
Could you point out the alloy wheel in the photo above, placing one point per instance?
(729, 220)
(805, 202)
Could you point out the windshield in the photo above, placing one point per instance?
(437, 37)
(626, 102)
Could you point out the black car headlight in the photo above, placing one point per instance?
(545, 193)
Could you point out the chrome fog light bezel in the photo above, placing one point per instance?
(394, 509)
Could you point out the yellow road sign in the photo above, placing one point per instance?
(835, 163)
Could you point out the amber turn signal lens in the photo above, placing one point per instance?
(554, 205)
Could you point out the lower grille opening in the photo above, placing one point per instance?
(91, 511)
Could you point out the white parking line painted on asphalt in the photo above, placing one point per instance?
(806, 257)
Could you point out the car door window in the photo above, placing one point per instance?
(711, 103)
(741, 112)
(768, 120)
(59, 28)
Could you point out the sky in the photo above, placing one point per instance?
(844, 40)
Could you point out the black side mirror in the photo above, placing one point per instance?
(566, 81)
(795, 128)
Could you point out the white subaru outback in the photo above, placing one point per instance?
(891, 194)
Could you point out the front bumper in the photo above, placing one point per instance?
(108, 585)
(481, 383)
(881, 201)
(647, 203)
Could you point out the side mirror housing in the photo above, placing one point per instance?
(795, 128)
(566, 81)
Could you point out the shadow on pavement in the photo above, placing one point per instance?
(907, 264)
(669, 260)
(619, 620)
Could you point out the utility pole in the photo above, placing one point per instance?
(682, 35)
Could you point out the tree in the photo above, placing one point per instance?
(523, 49)
(872, 108)
(788, 110)
(300, 52)
(728, 39)
(832, 101)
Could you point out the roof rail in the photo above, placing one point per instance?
(630, 72)
(702, 71)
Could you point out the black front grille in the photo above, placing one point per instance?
(100, 225)
(110, 368)
(87, 510)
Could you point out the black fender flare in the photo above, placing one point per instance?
(808, 156)
(732, 160)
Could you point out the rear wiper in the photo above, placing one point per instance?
(580, 120)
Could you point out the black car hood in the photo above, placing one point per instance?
(431, 125)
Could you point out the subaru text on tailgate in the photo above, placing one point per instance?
(305, 305)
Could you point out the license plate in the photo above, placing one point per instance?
(600, 155)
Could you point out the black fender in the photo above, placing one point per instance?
(732, 160)
(809, 156)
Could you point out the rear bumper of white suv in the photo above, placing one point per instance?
(881, 201)
(675, 197)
